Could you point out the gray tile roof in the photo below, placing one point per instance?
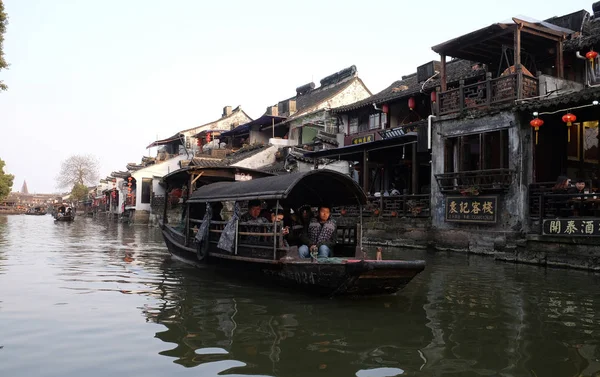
(589, 37)
(455, 70)
(588, 94)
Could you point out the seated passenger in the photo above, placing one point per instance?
(280, 213)
(253, 217)
(296, 228)
(580, 206)
(579, 187)
(322, 234)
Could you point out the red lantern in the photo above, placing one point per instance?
(199, 142)
(433, 96)
(411, 103)
(208, 138)
(591, 55)
(536, 124)
(129, 179)
(569, 118)
(385, 108)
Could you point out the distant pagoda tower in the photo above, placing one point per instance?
(24, 188)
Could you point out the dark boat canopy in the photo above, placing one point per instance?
(314, 187)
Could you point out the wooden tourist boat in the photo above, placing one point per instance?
(265, 252)
(64, 212)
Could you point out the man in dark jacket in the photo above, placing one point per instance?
(252, 217)
(322, 234)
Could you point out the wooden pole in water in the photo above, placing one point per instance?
(237, 229)
(187, 210)
(275, 231)
(166, 203)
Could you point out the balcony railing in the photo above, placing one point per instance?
(546, 203)
(389, 207)
(487, 180)
(486, 93)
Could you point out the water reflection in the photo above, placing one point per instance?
(466, 316)
(108, 296)
(272, 330)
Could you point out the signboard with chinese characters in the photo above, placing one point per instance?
(242, 177)
(568, 227)
(472, 209)
(363, 139)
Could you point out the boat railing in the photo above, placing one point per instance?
(262, 238)
(266, 241)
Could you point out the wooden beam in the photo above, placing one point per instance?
(517, 47)
(482, 50)
(366, 176)
(469, 56)
(517, 63)
(187, 212)
(217, 173)
(165, 219)
(560, 66)
(415, 170)
(443, 78)
(541, 34)
(195, 179)
(539, 29)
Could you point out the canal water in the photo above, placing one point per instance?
(94, 298)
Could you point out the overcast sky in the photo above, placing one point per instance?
(108, 77)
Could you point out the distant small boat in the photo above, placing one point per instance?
(38, 211)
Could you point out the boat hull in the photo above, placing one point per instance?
(64, 218)
(329, 277)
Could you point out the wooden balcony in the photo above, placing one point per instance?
(492, 180)
(388, 207)
(546, 203)
(487, 93)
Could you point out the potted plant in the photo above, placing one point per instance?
(414, 207)
(471, 190)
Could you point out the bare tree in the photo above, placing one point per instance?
(78, 169)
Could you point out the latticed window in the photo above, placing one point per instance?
(483, 151)
(353, 126)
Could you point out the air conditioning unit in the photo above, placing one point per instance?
(427, 70)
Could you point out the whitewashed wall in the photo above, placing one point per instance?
(152, 171)
(263, 158)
